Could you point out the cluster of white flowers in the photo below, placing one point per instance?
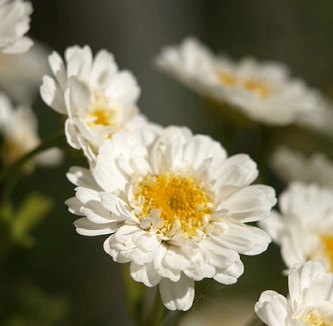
(173, 204)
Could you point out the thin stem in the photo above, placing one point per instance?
(10, 175)
(55, 141)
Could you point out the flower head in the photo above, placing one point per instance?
(294, 166)
(175, 206)
(264, 92)
(304, 228)
(14, 23)
(18, 128)
(97, 98)
(310, 301)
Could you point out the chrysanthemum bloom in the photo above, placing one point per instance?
(295, 166)
(304, 228)
(264, 92)
(14, 23)
(176, 207)
(18, 128)
(97, 98)
(21, 75)
(310, 300)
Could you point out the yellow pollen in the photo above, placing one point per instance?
(178, 198)
(313, 319)
(327, 241)
(100, 113)
(255, 86)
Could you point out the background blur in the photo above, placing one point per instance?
(75, 269)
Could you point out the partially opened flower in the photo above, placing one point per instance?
(18, 129)
(14, 23)
(294, 166)
(264, 92)
(304, 226)
(97, 98)
(176, 208)
(21, 75)
(310, 300)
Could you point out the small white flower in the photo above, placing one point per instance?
(21, 75)
(98, 99)
(14, 23)
(262, 91)
(18, 128)
(310, 300)
(175, 206)
(294, 166)
(304, 228)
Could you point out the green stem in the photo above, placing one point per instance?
(55, 141)
(10, 175)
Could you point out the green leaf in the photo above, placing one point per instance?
(31, 212)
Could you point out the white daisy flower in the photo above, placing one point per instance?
(18, 128)
(175, 206)
(310, 300)
(304, 228)
(98, 99)
(262, 91)
(14, 23)
(21, 75)
(295, 166)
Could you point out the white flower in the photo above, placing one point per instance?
(176, 207)
(310, 300)
(304, 228)
(18, 128)
(21, 75)
(98, 99)
(262, 91)
(294, 166)
(14, 23)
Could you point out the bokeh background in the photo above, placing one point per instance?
(83, 281)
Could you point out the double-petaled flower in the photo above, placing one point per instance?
(176, 207)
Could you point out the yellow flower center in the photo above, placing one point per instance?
(313, 319)
(327, 242)
(100, 113)
(255, 86)
(181, 200)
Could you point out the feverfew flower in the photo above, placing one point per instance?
(14, 23)
(310, 300)
(21, 75)
(176, 208)
(264, 92)
(304, 228)
(294, 166)
(97, 98)
(18, 128)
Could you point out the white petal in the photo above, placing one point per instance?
(145, 273)
(272, 309)
(230, 274)
(177, 295)
(250, 204)
(52, 95)
(238, 170)
(88, 228)
(124, 88)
